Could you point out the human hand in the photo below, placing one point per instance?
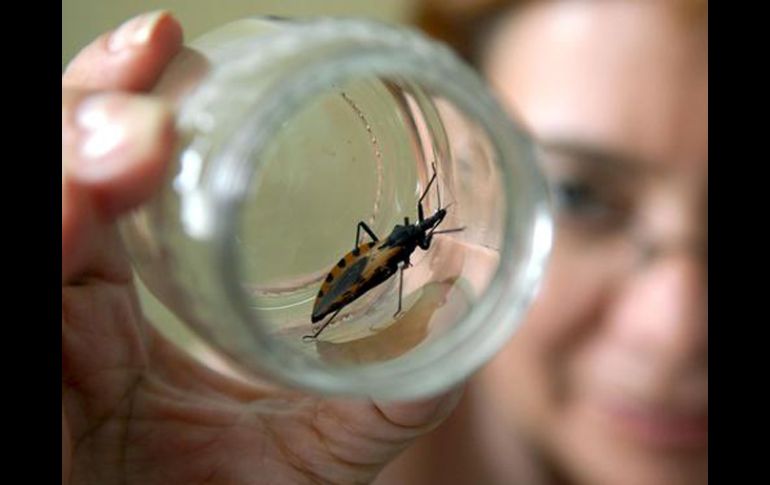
(134, 408)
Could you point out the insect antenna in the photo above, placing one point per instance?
(444, 231)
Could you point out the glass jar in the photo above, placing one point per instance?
(291, 133)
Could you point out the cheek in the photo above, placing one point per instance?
(535, 366)
(565, 311)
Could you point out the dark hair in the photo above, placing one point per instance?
(463, 26)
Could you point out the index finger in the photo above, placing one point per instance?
(132, 57)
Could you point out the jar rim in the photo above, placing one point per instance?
(376, 49)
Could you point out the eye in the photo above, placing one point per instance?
(575, 196)
(579, 201)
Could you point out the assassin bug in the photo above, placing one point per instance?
(371, 264)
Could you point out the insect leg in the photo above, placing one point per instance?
(427, 187)
(400, 288)
(419, 202)
(366, 228)
(308, 338)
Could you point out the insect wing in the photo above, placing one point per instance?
(342, 277)
(378, 268)
(339, 289)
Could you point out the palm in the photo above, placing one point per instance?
(138, 408)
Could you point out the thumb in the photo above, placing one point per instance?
(367, 435)
(419, 416)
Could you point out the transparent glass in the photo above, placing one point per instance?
(291, 133)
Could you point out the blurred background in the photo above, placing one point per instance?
(83, 20)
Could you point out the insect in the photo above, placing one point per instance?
(372, 263)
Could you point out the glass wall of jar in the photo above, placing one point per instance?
(292, 132)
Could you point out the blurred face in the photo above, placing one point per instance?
(609, 374)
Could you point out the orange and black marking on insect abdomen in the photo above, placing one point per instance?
(341, 282)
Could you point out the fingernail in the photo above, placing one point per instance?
(135, 32)
(114, 132)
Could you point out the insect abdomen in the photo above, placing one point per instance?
(343, 277)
